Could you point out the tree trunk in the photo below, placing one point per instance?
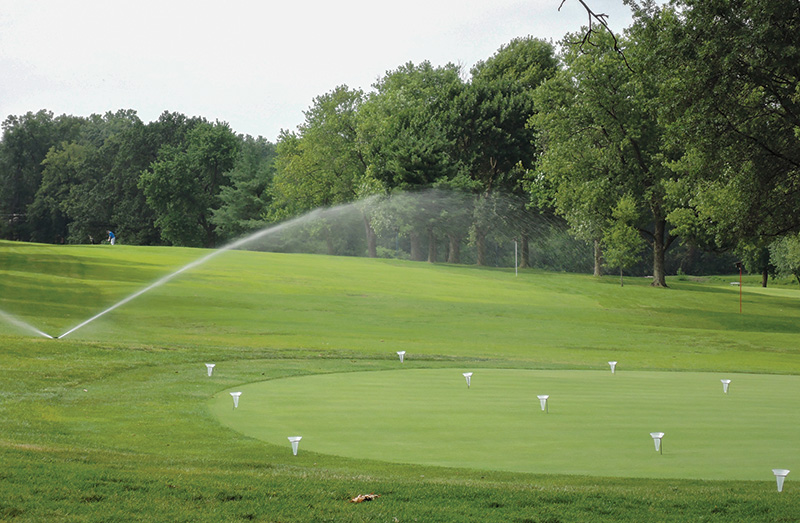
(621, 282)
(764, 276)
(659, 250)
(688, 262)
(524, 256)
(416, 250)
(329, 241)
(431, 246)
(598, 259)
(454, 249)
(480, 243)
(372, 239)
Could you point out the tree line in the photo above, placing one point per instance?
(673, 146)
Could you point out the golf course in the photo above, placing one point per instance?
(112, 411)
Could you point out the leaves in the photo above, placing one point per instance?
(364, 497)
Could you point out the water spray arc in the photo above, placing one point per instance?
(348, 221)
(19, 323)
(236, 244)
(138, 293)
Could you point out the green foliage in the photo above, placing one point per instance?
(602, 140)
(183, 184)
(784, 254)
(245, 203)
(526, 62)
(405, 126)
(732, 104)
(25, 142)
(320, 165)
(622, 243)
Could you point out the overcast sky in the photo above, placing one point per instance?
(250, 63)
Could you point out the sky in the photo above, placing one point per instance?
(253, 64)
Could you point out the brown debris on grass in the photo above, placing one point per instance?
(364, 497)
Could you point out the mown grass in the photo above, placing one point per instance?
(112, 423)
(595, 423)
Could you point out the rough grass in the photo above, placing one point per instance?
(111, 423)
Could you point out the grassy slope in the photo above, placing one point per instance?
(140, 443)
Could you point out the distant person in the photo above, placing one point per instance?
(112, 239)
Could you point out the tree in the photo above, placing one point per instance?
(183, 185)
(785, 255)
(245, 203)
(405, 128)
(25, 142)
(73, 202)
(603, 140)
(498, 145)
(756, 258)
(65, 178)
(622, 243)
(322, 165)
(131, 152)
(734, 106)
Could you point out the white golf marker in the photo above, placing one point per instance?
(236, 398)
(210, 367)
(725, 384)
(295, 440)
(543, 402)
(402, 354)
(780, 475)
(657, 440)
(613, 365)
(468, 376)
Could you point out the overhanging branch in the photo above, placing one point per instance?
(602, 19)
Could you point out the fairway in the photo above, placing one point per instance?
(119, 421)
(597, 423)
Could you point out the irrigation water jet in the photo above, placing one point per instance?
(295, 440)
(234, 245)
(613, 365)
(402, 355)
(725, 385)
(468, 376)
(19, 323)
(210, 367)
(348, 219)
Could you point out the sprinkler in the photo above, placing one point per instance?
(657, 440)
(468, 376)
(210, 367)
(613, 365)
(236, 398)
(295, 440)
(402, 354)
(780, 475)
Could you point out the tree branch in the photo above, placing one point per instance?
(602, 19)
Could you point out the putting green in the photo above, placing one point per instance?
(597, 423)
